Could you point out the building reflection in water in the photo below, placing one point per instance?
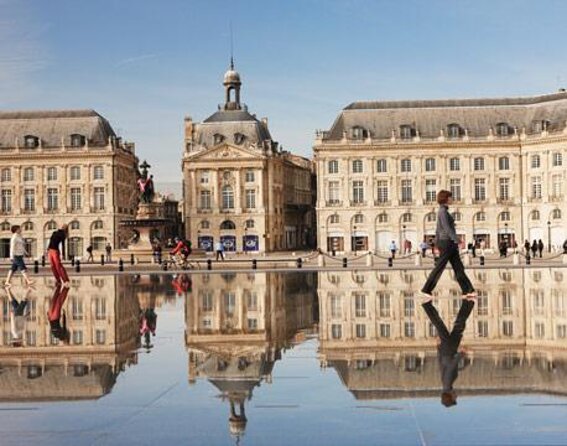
(382, 345)
(72, 344)
(237, 326)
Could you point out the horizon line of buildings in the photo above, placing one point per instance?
(373, 178)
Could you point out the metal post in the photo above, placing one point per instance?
(42, 260)
(345, 262)
(132, 260)
(209, 264)
(72, 260)
(36, 267)
(102, 259)
(121, 265)
(482, 260)
(390, 262)
(299, 262)
(548, 236)
(78, 266)
(254, 264)
(528, 259)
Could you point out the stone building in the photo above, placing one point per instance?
(65, 166)
(239, 186)
(381, 164)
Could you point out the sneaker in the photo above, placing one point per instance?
(425, 297)
(470, 296)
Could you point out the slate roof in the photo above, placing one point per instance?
(430, 116)
(230, 122)
(51, 125)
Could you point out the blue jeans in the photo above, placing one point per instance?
(18, 264)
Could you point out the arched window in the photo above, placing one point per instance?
(27, 226)
(535, 161)
(239, 138)
(431, 217)
(357, 166)
(382, 218)
(334, 219)
(407, 217)
(205, 224)
(333, 166)
(454, 130)
(503, 163)
(249, 224)
(457, 216)
(74, 225)
(557, 159)
(502, 129)
(227, 197)
(31, 141)
(534, 215)
(478, 163)
(98, 224)
(358, 218)
(51, 226)
(227, 225)
(217, 138)
(77, 140)
(556, 214)
(480, 216)
(5, 226)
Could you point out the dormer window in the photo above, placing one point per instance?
(239, 138)
(77, 140)
(358, 132)
(217, 138)
(407, 131)
(31, 141)
(454, 130)
(503, 129)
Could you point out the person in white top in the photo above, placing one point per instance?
(17, 253)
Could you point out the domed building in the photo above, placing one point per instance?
(240, 187)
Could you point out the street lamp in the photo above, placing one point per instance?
(403, 247)
(548, 236)
(354, 238)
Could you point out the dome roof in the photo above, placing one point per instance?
(231, 77)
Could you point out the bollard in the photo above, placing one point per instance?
(345, 262)
(120, 265)
(78, 266)
(36, 267)
(299, 262)
(72, 260)
(159, 260)
(42, 260)
(320, 260)
(481, 260)
(369, 260)
(132, 260)
(528, 260)
(164, 266)
(102, 259)
(334, 252)
(209, 264)
(467, 259)
(516, 258)
(418, 260)
(254, 264)
(390, 262)
(564, 259)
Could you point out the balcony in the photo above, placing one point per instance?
(96, 209)
(354, 203)
(27, 211)
(382, 203)
(534, 200)
(334, 203)
(5, 211)
(505, 201)
(483, 201)
(204, 210)
(54, 210)
(556, 198)
(407, 202)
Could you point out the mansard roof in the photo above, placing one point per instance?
(429, 117)
(52, 125)
(228, 123)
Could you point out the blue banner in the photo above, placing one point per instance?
(206, 243)
(251, 243)
(229, 242)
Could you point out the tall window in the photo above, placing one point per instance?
(51, 173)
(6, 200)
(360, 305)
(359, 218)
(381, 166)
(406, 131)
(77, 140)
(75, 198)
(382, 218)
(357, 166)
(407, 218)
(29, 174)
(430, 165)
(336, 306)
(52, 199)
(249, 176)
(557, 159)
(535, 161)
(29, 200)
(334, 192)
(478, 163)
(75, 173)
(205, 199)
(503, 163)
(382, 191)
(430, 190)
(505, 216)
(409, 307)
(384, 301)
(98, 172)
(479, 189)
(407, 196)
(333, 166)
(504, 188)
(336, 331)
(6, 175)
(454, 164)
(480, 216)
(204, 177)
(99, 198)
(453, 130)
(535, 189)
(455, 188)
(250, 199)
(556, 186)
(227, 197)
(357, 191)
(405, 165)
(502, 129)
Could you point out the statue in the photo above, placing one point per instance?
(145, 184)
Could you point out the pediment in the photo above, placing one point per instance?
(226, 152)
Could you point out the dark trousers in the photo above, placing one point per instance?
(449, 253)
(449, 340)
(220, 254)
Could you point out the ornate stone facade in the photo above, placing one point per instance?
(240, 187)
(64, 167)
(381, 164)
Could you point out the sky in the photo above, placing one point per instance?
(146, 64)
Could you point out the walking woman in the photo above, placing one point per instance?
(448, 244)
(57, 238)
(17, 253)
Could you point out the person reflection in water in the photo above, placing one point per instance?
(148, 323)
(448, 348)
(56, 315)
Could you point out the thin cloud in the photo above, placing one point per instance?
(134, 59)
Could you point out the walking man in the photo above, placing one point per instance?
(447, 242)
(219, 248)
(540, 247)
(57, 238)
(17, 253)
(448, 347)
(90, 253)
(423, 247)
(393, 249)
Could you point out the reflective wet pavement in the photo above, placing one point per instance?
(281, 358)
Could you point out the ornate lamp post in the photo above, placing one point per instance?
(548, 236)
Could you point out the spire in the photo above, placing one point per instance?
(231, 63)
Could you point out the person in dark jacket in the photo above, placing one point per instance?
(448, 348)
(448, 244)
(527, 247)
(54, 255)
(534, 248)
(540, 247)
